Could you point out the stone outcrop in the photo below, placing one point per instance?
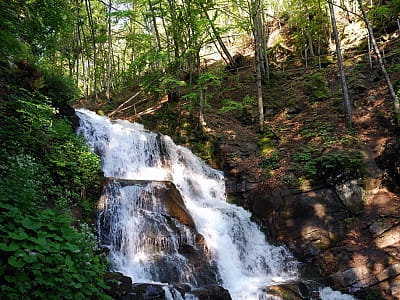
(169, 197)
(214, 292)
(351, 193)
(119, 285)
(307, 221)
(145, 291)
(121, 288)
(296, 290)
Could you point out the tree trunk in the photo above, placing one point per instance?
(347, 103)
(93, 37)
(378, 54)
(264, 39)
(218, 37)
(256, 10)
(108, 78)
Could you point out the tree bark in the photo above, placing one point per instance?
(347, 103)
(256, 10)
(93, 37)
(108, 78)
(380, 60)
(218, 38)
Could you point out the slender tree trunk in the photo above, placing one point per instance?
(201, 95)
(108, 77)
(347, 103)
(256, 10)
(369, 51)
(218, 37)
(154, 25)
(264, 39)
(93, 38)
(378, 54)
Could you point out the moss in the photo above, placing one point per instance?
(316, 87)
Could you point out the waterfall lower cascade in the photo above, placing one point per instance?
(164, 217)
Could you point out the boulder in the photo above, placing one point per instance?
(357, 277)
(169, 196)
(351, 193)
(310, 221)
(146, 291)
(119, 284)
(295, 290)
(172, 199)
(214, 292)
(388, 238)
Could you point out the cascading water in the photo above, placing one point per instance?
(199, 239)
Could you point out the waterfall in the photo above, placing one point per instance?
(165, 219)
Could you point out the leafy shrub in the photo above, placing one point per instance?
(59, 88)
(332, 168)
(316, 87)
(45, 171)
(43, 257)
(271, 161)
(231, 105)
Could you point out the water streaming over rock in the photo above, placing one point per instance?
(164, 217)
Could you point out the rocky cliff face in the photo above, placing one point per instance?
(347, 234)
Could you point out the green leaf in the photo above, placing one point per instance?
(19, 236)
(15, 262)
(30, 258)
(9, 248)
(28, 224)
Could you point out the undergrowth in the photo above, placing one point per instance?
(46, 173)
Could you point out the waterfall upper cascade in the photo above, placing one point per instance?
(164, 217)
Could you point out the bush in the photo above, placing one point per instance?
(316, 87)
(45, 171)
(332, 168)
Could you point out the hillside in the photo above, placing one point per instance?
(337, 185)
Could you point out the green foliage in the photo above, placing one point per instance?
(309, 22)
(332, 168)
(384, 16)
(45, 172)
(270, 161)
(205, 81)
(316, 87)
(325, 131)
(266, 142)
(43, 257)
(231, 105)
(59, 88)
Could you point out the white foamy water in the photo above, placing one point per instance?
(146, 244)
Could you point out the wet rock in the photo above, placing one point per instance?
(175, 205)
(296, 290)
(352, 195)
(145, 291)
(214, 292)
(182, 288)
(119, 284)
(390, 272)
(168, 195)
